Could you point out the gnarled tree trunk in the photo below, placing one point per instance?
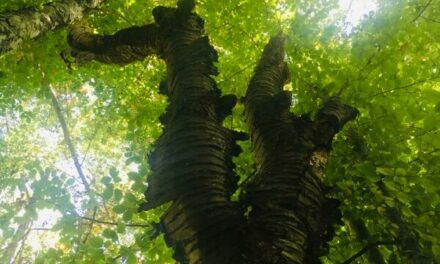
(290, 218)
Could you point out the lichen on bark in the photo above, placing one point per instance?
(30, 23)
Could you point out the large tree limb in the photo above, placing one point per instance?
(121, 48)
(31, 23)
(291, 219)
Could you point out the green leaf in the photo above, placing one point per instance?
(108, 233)
(106, 180)
(120, 228)
(436, 250)
(119, 209)
(117, 195)
(127, 216)
(96, 242)
(133, 175)
(384, 171)
(437, 107)
(129, 255)
(113, 172)
(108, 193)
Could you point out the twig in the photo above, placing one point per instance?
(112, 223)
(22, 244)
(251, 38)
(430, 19)
(407, 86)
(421, 11)
(368, 247)
(68, 139)
(227, 78)
(426, 153)
(91, 225)
(41, 229)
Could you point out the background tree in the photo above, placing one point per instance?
(382, 166)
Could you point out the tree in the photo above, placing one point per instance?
(282, 213)
(32, 23)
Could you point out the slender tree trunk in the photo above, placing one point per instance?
(290, 218)
(30, 23)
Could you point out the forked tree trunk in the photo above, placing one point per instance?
(192, 163)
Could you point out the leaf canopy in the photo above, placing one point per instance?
(383, 168)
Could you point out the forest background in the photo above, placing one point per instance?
(74, 138)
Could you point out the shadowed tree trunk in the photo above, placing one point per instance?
(30, 23)
(290, 218)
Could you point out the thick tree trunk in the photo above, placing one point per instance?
(30, 23)
(192, 161)
(291, 219)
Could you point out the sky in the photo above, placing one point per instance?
(356, 9)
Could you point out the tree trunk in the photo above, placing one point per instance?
(30, 23)
(290, 218)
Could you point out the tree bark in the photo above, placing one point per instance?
(192, 160)
(291, 219)
(31, 23)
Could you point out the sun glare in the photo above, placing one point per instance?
(355, 10)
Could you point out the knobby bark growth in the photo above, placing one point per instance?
(290, 219)
(30, 23)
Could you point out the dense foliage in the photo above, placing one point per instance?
(384, 167)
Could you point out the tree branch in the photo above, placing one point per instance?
(68, 139)
(91, 225)
(422, 11)
(123, 47)
(407, 85)
(368, 247)
(112, 223)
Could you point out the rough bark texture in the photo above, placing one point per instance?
(192, 161)
(291, 219)
(30, 23)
